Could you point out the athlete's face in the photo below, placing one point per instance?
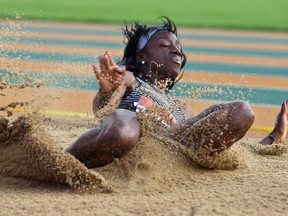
(164, 50)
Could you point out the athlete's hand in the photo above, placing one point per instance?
(111, 76)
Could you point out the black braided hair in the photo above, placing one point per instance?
(131, 40)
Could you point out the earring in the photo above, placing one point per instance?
(142, 62)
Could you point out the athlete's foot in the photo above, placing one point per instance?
(279, 132)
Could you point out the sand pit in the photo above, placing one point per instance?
(155, 178)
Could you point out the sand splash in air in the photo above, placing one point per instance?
(28, 151)
(31, 149)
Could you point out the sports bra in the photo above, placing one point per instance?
(145, 95)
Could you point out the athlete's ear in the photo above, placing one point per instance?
(140, 56)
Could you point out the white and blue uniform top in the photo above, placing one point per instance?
(145, 95)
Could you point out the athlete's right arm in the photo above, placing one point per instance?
(111, 77)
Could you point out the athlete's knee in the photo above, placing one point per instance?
(242, 115)
(244, 110)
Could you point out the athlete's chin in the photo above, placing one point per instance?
(173, 74)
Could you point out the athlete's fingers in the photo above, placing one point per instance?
(100, 60)
(120, 73)
(110, 68)
(103, 64)
(120, 69)
(110, 59)
(97, 72)
(285, 105)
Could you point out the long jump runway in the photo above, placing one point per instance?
(222, 66)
